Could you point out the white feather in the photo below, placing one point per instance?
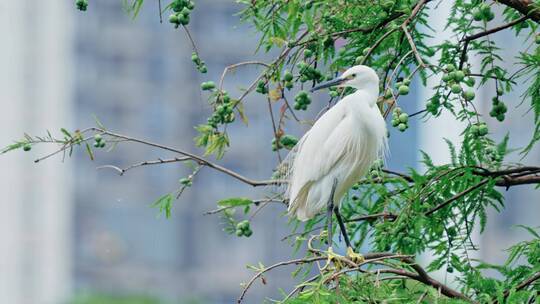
(342, 145)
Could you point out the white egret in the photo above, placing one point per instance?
(338, 150)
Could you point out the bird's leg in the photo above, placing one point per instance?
(342, 226)
(355, 257)
(329, 211)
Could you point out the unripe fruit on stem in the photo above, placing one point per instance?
(403, 90)
(468, 95)
(174, 19)
(459, 75)
(98, 137)
(456, 88)
(27, 147)
(450, 67)
(402, 127)
(403, 117)
(288, 76)
(482, 130)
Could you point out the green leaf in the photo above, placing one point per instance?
(164, 204)
(234, 202)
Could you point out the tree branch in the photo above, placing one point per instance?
(526, 7)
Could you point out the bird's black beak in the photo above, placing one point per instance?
(330, 83)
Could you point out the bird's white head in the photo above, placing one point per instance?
(360, 77)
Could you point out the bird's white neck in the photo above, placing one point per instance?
(369, 93)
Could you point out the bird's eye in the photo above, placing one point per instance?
(353, 75)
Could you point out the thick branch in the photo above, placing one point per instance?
(526, 7)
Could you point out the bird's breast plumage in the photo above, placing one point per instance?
(342, 145)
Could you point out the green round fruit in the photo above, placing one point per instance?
(500, 91)
(474, 129)
(489, 15)
(308, 53)
(27, 147)
(450, 67)
(406, 81)
(477, 15)
(97, 144)
(500, 117)
(239, 232)
(359, 60)
(403, 117)
(468, 95)
(243, 225)
(185, 11)
(446, 77)
(183, 19)
(450, 269)
(102, 144)
(455, 88)
(288, 76)
(395, 122)
(365, 51)
(402, 127)
(403, 90)
(483, 130)
(388, 94)
(98, 137)
(248, 233)
(173, 18)
(459, 75)
(209, 85)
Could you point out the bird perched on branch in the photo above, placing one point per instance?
(338, 150)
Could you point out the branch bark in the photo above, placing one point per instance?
(526, 7)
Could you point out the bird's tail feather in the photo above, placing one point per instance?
(297, 205)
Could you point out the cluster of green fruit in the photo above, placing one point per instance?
(301, 101)
(182, 9)
(201, 66)
(308, 72)
(400, 119)
(454, 77)
(223, 113)
(208, 85)
(261, 87)
(483, 13)
(499, 108)
(98, 141)
(287, 80)
(82, 5)
(479, 129)
(403, 86)
(243, 229)
(286, 141)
